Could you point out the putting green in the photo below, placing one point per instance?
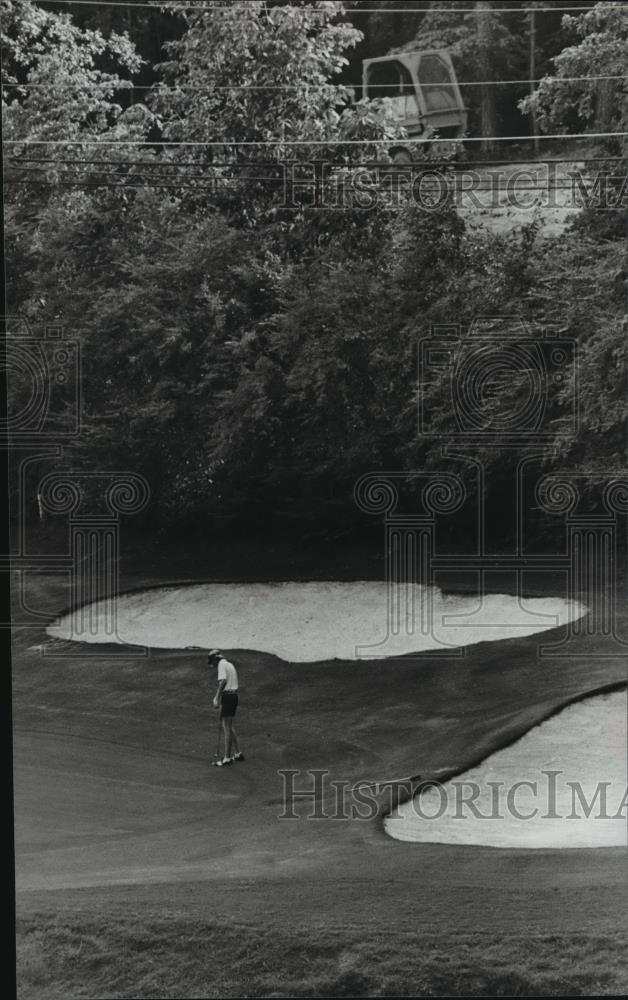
(305, 622)
(538, 792)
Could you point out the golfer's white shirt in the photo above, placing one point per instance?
(227, 672)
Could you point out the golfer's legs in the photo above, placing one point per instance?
(236, 745)
(226, 724)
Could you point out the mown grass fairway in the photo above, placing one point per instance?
(144, 872)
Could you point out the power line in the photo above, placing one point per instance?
(106, 184)
(148, 178)
(520, 188)
(525, 182)
(243, 164)
(458, 10)
(143, 170)
(348, 12)
(161, 88)
(302, 142)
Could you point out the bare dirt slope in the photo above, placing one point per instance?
(507, 196)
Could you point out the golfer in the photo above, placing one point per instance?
(226, 699)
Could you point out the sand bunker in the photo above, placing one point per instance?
(307, 622)
(586, 742)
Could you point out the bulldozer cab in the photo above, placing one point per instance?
(421, 90)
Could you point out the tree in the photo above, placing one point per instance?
(588, 91)
(256, 86)
(168, 281)
(484, 49)
(60, 89)
(588, 88)
(60, 81)
(243, 354)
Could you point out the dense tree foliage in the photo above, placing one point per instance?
(588, 90)
(251, 357)
(599, 51)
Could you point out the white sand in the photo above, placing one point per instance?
(586, 742)
(312, 621)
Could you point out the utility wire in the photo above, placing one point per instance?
(484, 185)
(279, 163)
(349, 11)
(520, 188)
(420, 169)
(425, 167)
(300, 142)
(164, 88)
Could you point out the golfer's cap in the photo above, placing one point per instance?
(214, 654)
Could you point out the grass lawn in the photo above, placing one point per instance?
(144, 872)
(131, 956)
